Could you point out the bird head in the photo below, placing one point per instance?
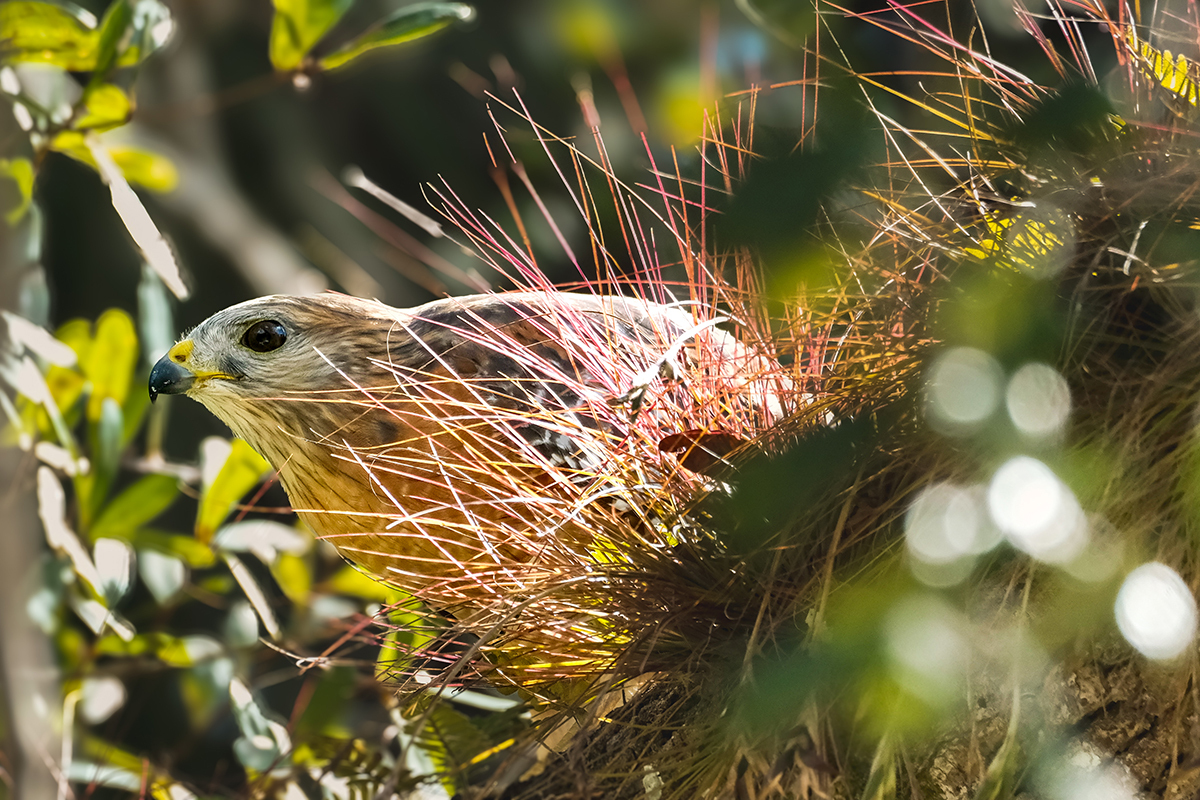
(263, 361)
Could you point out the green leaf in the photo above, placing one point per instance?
(57, 33)
(300, 24)
(20, 172)
(111, 360)
(113, 28)
(242, 470)
(149, 170)
(407, 24)
(63, 34)
(137, 505)
(107, 107)
(106, 439)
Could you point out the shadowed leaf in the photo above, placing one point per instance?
(136, 505)
(407, 24)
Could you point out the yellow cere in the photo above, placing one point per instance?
(181, 354)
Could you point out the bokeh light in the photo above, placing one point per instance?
(1038, 400)
(927, 642)
(1036, 511)
(1104, 555)
(1156, 611)
(946, 527)
(1087, 775)
(964, 389)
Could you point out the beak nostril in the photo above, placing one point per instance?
(178, 358)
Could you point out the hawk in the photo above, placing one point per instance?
(470, 449)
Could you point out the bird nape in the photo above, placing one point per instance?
(493, 455)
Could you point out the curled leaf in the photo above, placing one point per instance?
(136, 505)
(409, 23)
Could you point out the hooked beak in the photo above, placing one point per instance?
(171, 374)
(174, 374)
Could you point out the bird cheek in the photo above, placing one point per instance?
(232, 367)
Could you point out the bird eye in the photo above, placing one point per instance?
(265, 336)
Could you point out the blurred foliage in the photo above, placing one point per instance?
(1017, 217)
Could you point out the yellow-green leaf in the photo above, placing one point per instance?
(55, 33)
(350, 581)
(137, 505)
(111, 360)
(77, 335)
(66, 387)
(293, 576)
(149, 170)
(407, 24)
(20, 172)
(164, 647)
(107, 107)
(300, 24)
(238, 475)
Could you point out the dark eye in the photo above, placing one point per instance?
(265, 336)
